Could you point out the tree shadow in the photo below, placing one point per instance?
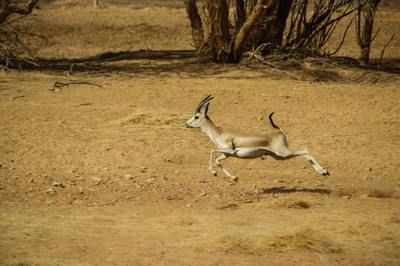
(187, 63)
(140, 63)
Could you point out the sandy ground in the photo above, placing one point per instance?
(110, 175)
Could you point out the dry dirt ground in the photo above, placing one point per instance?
(110, 175)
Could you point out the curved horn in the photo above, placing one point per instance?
(202, 103)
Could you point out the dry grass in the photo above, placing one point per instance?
(157, 202)
(304, 239)
(291, 203)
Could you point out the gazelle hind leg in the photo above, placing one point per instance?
(312, 160)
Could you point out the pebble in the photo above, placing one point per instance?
(97, 180)
(129, 177)
(58, 184)
(365, 178)
(143, 169)
(150, 180)
(203, 194)
(50, 191)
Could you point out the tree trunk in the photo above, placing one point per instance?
(240, 13)
(284, 7)
(96, 3)
(195, 23)
(364, 32)
(218, 29)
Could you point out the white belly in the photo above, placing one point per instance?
(249, 153)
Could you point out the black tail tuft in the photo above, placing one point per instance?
(272, 121)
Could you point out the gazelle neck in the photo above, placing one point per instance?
(210, 129)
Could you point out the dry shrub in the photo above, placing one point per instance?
(302, 240)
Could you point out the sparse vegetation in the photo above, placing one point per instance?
(225, 30)
(98, 168)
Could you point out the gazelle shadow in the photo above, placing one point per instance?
(286, 190)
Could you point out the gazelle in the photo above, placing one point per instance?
(245, 147)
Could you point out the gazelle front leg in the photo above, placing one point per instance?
(218, 162)
(210, 168)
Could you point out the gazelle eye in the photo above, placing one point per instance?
(196, 117)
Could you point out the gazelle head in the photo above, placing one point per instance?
(200, 113)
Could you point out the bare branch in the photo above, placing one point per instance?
(261, 7)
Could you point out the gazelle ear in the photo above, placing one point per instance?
(206, 108)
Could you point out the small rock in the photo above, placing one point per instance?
(129, 177)
(190, 205)
(143, 169)
(203, 194)
(31, 180)
(71, 171)
(97, 180)
(50, 191)
(150, 180)
(365, 178)
(58, 184)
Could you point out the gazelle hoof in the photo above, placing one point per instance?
(326, 173)
(214, 173)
